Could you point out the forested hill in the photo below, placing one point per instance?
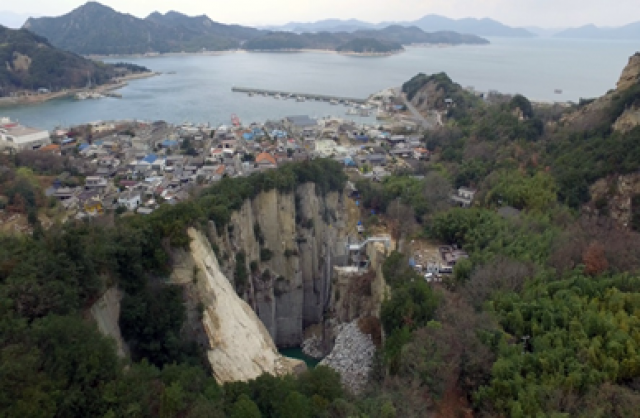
(395, 35)
(30, 63)
(369, 46)
(541, 319)
(97, 29)
(414, 35)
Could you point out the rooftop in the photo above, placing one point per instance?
(301, 120)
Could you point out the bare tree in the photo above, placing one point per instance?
(502, 274)
(437, 191)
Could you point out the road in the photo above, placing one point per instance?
(418, 117)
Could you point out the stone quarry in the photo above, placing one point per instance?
(352, 356)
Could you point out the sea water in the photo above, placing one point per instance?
(200, 89)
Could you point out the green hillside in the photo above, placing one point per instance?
(368, 45)
(30, 63)
(97, 29)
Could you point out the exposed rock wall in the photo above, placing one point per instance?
(596, 112)
(240, 345)
(629, 119)
(305, 234)
(617, 193)
(106, 313)
(631, 73)
(357, 294)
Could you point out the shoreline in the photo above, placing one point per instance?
(300, 50)
(35, 98)
(245, 51)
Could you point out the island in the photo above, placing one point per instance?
(371, 42)
(369, 47)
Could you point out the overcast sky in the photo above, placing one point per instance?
(543, 13)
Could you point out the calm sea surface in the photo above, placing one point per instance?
(200, 91)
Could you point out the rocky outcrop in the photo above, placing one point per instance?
(291, 240)
(596, 112)
(240, 347)
(106, 313)
(613, 197)
(629, 119)
(352, 356)
(631, 73)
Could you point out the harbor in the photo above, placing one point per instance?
(298, 96)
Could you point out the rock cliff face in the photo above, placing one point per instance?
(290, 243)
(631, 74)
(291, 246)
(614, 197)
(106, 312)
(629, 119)
(240, 346)
(594, 113)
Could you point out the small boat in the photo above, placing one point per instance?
(251, 94)
(352, 111)
(333, 102)
(235, 120)
(558, 91)
(300, 99)
(277, 96)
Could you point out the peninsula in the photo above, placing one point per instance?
(35, 71)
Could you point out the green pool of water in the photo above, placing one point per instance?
(298, 354)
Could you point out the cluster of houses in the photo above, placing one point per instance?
(136, 166)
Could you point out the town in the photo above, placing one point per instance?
(132, 167)
(135, 166)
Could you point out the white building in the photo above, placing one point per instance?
(130, 199)
(18, 137)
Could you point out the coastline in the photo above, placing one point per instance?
(245, 51)
(35, 98)
(327, 51)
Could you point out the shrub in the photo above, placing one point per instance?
(265, 254)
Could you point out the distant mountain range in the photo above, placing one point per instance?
(30, 62)
(630, 31)
(95, 29)
(428, 23)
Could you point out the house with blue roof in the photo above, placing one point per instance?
(151, 158)
(169, 143)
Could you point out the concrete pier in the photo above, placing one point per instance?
(307, 96)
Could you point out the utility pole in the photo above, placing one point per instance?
(525, 338)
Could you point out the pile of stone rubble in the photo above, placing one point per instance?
(313, 347)
(352, 356)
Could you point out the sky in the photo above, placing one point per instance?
(541, 13)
